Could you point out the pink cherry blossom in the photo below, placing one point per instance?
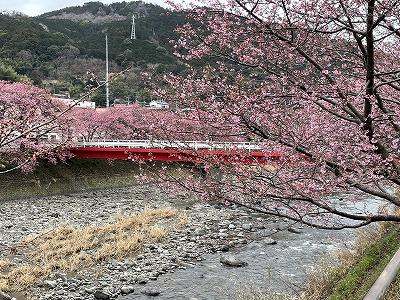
(317, 80)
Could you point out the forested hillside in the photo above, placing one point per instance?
(56, 50)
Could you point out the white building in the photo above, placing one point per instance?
(81, 104)
(158, 104)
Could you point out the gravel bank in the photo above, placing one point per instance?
(210, 229)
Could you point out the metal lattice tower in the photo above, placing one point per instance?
(133, 31)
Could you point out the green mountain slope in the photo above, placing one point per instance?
(58, 48)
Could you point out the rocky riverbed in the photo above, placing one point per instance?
(216, 251)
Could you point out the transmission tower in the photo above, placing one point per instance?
(133, 31)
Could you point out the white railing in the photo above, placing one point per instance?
(159, 144)
(379, 288)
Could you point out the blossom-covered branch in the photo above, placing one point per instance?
(316, 80)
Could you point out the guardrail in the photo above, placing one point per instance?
(384, 280)
(195, 145)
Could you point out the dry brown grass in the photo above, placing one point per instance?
(322, 281)
(4, 264)
(393, 292)
(182, 221)
(254, 294)
(71, 249)
(4, 287)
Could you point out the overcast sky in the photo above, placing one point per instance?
(37, 7)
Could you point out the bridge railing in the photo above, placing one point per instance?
(160, 144)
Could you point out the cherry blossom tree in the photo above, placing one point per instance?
(316, 80)
(127, 122)
(119, 122)
(28, 117)
(35, 125)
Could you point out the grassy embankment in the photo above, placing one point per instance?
(73, 176)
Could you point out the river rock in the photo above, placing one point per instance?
(232, 261)
(54, 214)
(90, 290)
(200, 231)
(269, 241)
(225, 248)
(100, 295)
(247, 226)
(51, 284)
(127, 289)
(4, 296)
(294, 230)
(142, 280)
(151, 292)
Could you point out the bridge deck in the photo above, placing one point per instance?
(159, 144)
(177, 151)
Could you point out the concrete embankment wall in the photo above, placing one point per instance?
(63, 178)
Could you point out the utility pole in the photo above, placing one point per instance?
(133, 31)
(107, 84)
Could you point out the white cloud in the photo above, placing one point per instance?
(37, 7)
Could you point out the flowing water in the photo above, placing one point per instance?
(282, 267)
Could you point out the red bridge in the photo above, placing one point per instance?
(175, 151)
